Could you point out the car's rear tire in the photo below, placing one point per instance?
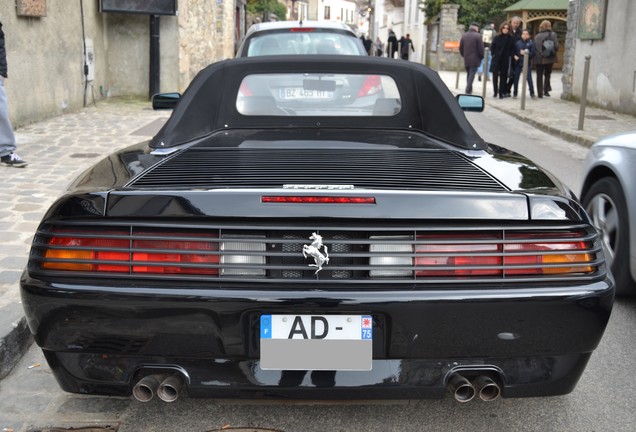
(606, 206)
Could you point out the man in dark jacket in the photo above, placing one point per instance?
(406, 46)
(391, 44)
(471, 47)
(8, 157)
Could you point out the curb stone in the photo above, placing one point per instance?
(15, 337)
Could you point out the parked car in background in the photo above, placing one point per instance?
(300, 37)
(285, 235)
(609, 196)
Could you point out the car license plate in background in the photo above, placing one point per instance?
(316, 342)
(301, 93)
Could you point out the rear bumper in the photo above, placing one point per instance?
(389, 379)
(100, 339)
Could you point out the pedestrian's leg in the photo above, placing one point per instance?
(470, 78)
(7, 138)
(548, 72)
(540, 80)
(530, 84)
(516, 80)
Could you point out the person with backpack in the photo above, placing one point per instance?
(547, 45)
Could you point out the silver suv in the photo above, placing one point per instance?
(300, 37)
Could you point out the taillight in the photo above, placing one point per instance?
(86, 253)
(371, 85)
(159, 253)
(469, 259)
(245, 90)
(492, 254)
(549, 254)
(175, 256)
(302, 199)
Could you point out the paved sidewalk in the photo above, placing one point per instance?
(57, 150)
(60, 148)
(551, 114)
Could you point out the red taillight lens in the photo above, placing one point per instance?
(458, 257)
(299, 199)
(160, 253)
(245, 90)
(187, 257)
(301, 29)
(548, 253)
(87, 249)
(371, 85)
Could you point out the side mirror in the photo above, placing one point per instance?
(162, 101)
(470, 102)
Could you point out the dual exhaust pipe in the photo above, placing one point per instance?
(166, 387)
(465, 390)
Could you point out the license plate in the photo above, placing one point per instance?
(316, 342)
(301, 93)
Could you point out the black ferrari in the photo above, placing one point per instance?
(317, 227)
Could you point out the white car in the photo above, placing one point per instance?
(300, 38)
(609, 196)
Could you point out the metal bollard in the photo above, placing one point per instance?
(484, 79)
(586, 77)
(524, 75)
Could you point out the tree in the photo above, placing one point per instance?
(480, 11)
(264, 8)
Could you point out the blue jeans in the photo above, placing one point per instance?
(7, 139)
(481, 67)
(518, 70)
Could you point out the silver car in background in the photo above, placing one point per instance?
(609, 196)
(300, 38)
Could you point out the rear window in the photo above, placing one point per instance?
(303, 41)
(318, 94)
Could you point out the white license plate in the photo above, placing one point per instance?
(290, 93)
(316, 342)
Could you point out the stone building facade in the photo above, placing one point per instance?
(612, 77)
(441, 35)
(46, 54)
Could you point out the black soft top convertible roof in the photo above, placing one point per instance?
(209, 103)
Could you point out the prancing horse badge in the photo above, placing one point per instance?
(313, 250)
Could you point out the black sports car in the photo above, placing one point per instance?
(290, 234)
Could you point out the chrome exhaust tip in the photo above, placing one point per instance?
(146, 388)
(462, 389)
(170, 388)
(489, 390)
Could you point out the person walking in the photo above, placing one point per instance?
(471, 48)
(524, 47)
(379, 47)
(487, 35)
(8, 157)
(515, 33)
(405, 43)
(547, 45)
(503, 48)
(391, 44)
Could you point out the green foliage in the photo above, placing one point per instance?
(265, 7)
(480, 11)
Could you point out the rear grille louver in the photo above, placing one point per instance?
(205, 168)
(363, 255)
